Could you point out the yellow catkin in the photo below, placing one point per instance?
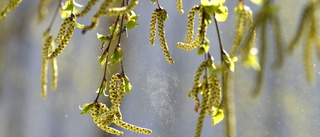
(252, 29)
(44, 66)
(214, 93)
(63, 30)
(179, 6)
(54, 69)
(120, 91)
(153, 23)
(100, 122)
(203, 109)
(153, 1)
(121, 10)
(163, 42)
(9, 7)
(241, 26)
(189, 44)
(43, 9)
(97, 15)
(87, 8)
(64, 41)
(196, 83)
(133, 128)
(190, 26)
(112, 88)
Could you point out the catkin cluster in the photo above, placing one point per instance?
(211, 94)
(66, 31)
(48, 48)
(244, 20)
(103, 116)
(9, 7)
(49, 53)
(103, 11)
(159, 16)
(202, 27)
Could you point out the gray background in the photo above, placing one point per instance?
(288, 106)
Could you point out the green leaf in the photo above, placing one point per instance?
(252, 60)
(204, 48)
(117, 56)
(229, 61)
(85, 108)
(215, 3)
(131, 24)
(64, 14)
(222, 14)
(102, 38)
(68, 6)
(103, 87)
(114, 32)
(128, 86)
(207, 19)
(217, 116)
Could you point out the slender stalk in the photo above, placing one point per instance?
(227, 94)
(54, 16)
(104, 78)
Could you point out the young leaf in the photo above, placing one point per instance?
(116, 31)
(229, 61)
(257, 1)
(217, 116)
(204, 48)
(128, 86)
(103, 87)
(215, 3)
(131, 24)
(131, 19)
(68, 5)
(85, 108)
(103, 58)
(102, 38)
(117, 56)
(222, 14)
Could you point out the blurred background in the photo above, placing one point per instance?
(287, 107)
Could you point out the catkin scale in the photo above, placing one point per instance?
(9, 7)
